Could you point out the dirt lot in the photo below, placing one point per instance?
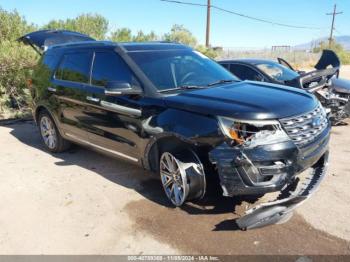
(345, 72)
(81, 202)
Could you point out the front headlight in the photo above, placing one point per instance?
(253, 132)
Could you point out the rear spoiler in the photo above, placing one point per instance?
(41, 40)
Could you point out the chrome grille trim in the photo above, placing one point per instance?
(305, 128)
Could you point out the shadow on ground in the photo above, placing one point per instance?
(206, 226)
(125, 174)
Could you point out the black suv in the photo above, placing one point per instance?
(174, 111)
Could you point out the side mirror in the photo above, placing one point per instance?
(115, 88)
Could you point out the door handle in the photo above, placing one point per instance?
(93, 99)
(51, 89)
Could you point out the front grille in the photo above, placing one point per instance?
(305, 128)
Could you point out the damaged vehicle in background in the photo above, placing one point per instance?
(173, 111)
(323, 82)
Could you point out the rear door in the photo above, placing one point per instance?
(70, 81)
(114, 121)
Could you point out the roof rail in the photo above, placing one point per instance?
(84, 43)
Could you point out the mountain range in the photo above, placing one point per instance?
(344, 40)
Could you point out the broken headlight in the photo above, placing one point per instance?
(252, 132)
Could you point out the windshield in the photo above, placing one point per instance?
(277, 71)
(173, 69)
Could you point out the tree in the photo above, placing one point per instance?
(142, 37)
(12, 25)
(93, 25)
(180, 34)
(209, 52)
(121, 35)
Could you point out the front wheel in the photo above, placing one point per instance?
(182, 176)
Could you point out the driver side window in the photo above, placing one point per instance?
(245, 73)
(109, 67)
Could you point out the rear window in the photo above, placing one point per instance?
(277, 71)
(244, 72)
(74, 67)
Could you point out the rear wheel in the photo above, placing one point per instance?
(50, 135)
(182, 176)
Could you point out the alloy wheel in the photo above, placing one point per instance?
(173, 178)
(48, 132)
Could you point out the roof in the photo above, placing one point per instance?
(43, 40)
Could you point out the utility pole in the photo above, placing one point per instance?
(332, 27)
(207, 36)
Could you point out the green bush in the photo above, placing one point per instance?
(209, 52)
(16, 63)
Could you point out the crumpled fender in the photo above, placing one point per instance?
(188, 127)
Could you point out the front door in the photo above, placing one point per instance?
(114, 121)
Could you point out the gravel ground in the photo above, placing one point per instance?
(81, 202)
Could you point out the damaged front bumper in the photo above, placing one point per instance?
(271, 168)
(280, 210)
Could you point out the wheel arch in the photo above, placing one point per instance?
(165, 142)
(38, 110)
(42, 107)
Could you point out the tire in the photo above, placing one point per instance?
(182, 176)
(50, 135)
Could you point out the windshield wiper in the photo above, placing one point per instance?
(223, 81)
(184, 87)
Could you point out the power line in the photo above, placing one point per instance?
(183, 3)
(243, 15)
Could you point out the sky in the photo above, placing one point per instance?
(227, 30)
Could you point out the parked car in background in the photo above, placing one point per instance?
(334, 93)
(173, 111)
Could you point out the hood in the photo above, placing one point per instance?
(245, 100)
(328, 57)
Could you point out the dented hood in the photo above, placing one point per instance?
(328, 58)
(245, 100)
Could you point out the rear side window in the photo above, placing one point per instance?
(109, 67)
(75, 67)
(227, 66)
(245, 72)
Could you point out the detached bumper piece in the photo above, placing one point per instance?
(280, 210)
